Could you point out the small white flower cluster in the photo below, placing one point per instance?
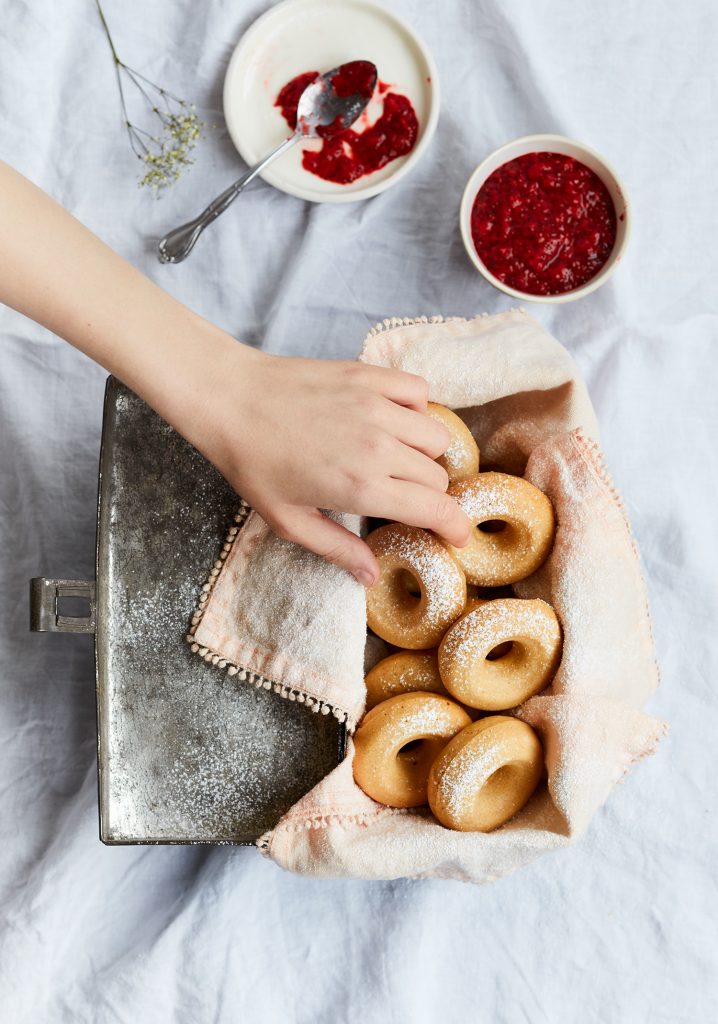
(167, 155)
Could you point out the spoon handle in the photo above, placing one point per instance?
(178, 244)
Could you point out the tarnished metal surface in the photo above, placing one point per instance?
(186, 752)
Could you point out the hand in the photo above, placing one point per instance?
(294, 436)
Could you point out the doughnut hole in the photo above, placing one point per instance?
(492, 525)
(500, 651)
(414, 761)
(501, 535)
(412, 750)
(411, 584)
(502, 796)
(404, 593)
(499, 552)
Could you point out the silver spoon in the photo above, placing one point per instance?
(322, 105)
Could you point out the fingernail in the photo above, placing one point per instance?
(367, 579)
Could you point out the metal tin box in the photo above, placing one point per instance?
(185, 754)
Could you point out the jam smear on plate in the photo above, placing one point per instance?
(289, 96)
(348, 155)
(543, 223)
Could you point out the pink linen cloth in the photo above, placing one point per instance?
(519, 392)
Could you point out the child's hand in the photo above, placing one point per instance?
(294, 436)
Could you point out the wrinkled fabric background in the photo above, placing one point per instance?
(620, 928)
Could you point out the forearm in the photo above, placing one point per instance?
(55, 271)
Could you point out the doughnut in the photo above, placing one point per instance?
(411, 559)
(481, 677)
(485, 774)
(461, 458)
(385, 771)
(403, 672)
(510, 553)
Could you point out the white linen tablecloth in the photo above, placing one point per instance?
(621, 928)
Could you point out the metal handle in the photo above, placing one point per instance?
(178, 244)
(44, 614)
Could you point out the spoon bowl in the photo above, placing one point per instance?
(332, 103)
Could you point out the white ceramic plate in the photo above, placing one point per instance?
(317, 35)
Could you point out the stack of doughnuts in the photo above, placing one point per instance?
(465, 646)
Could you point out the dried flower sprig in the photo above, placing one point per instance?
(167, 153)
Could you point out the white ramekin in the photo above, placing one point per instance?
(567, 147)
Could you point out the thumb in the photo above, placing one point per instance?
(316, 532)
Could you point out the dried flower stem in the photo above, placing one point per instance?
(166, 155)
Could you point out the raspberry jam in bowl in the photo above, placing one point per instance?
(545, 219)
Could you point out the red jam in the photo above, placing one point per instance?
(543, 223)
(355, 77)
(348, 155)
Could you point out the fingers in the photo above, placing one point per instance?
(329, 540)
(403, 388)
(416, 505)
(416, 429)
(419, 506)
(408, 464)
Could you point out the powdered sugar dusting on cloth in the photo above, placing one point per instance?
(601, 648)
(281, 612)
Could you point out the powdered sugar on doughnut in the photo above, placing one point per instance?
(500, 496)
(478, 632)
(461, 458)
(504, 681)
(443, 586)
(434, 568)
(403, 672)
(467, 772)
(492, 559)
(454, 454)
(428, 715)
(419, 677)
